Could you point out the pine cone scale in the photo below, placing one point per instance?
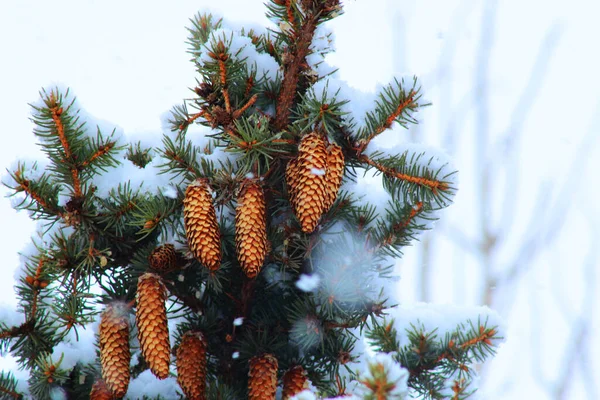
(250, 228)
(306, 181)
(262, 383)
(151, 319)
(294, 382)
(201, 226)
(191, 365)
(114, 348)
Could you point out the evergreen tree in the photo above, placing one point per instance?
(269, 268)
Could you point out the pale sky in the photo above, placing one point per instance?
(126, 63)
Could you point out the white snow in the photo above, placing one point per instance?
(238, 321)
(318, 171)
(235, 355)
(305, 395)
(146, 384)
(169, 191)
(77, 347)
(308, 283)
(57, 393)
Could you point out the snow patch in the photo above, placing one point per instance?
(77, 347)
(317, 171)
(308, 283)
(147, 384)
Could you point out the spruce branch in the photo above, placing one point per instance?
(409, 174)
(8, 386)
(138, 156)
(199, 32)
(299, 48)
(323, 113)
(395, 104)
(41, 196)
(46, 376)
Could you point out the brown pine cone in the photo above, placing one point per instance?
(262, 383)
(251, 228)
(100, 391)
(151, 320)
(201, 227)
(335, 173)
(294, 382)
(191, 365)
(292, 178)
(114, 348)
(163, 258)
(308, 186)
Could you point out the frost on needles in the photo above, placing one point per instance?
(239, 255)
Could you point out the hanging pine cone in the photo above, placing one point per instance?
(294, 382)
(151, 320)
(335, 173)
(262, 384)
(291, 178)
(191, 365)
(307, 186)
(201, 227)
(164, 258)
(100, 391)
(251, 228)
(114, 348)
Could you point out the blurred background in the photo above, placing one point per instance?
(515, 99)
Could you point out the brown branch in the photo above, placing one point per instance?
(290, 12)
(434, 185)
(485, 336)
(11, 393)
(60, 131)
(249, 86)
(189, 120)
(15, 331)
(292, 70)
(388, 122)
(223, 76)
(102, 151)
(25, 185)
(250, 103)
(177, 159)
(214, 122)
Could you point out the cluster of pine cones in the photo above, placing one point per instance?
(153, 335)
(313, 180)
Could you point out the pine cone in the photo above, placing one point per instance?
(262, 384)
(294, 382)
(163, 258)
(100, 391)
(191, 365)
(201, 227)
(335, 173)
(292, 178)
(114, 348)
(151, 319)
(251, 228)
(308, 186)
